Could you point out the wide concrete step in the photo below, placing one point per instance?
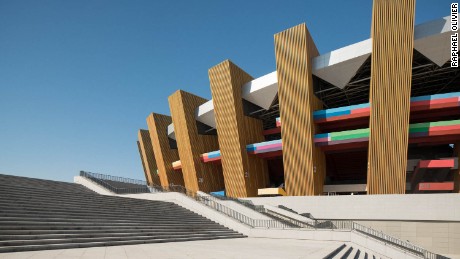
(113, 234)
(109, 230)
(103, 223)
(121, 217)
(109, 243)
(28, 221)
(108, 239)
(122, 203)
(82, 209)
(38, 215)
(39, 227)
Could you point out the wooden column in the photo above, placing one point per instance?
(191, 145)
(304, 164)
(164, 155)
(143, 164)
(148, 158)
(390, 90)
(243, 174)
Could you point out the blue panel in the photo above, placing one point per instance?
(338, 111)
(434, 97)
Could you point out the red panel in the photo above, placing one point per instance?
(446, 186)
(271, 131)
(434, 104)
(361, 110)
(445, 163)
(343, 117)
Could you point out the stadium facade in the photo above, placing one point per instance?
(380, 116)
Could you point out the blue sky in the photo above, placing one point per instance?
(78, 78)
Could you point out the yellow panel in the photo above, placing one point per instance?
(304, 164)
(271, 191)
(191, 145)
(164, 155)
(148, 158)
(390, 89)
(243, 173)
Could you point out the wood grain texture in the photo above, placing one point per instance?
(390, 89)
(148, 157)
(243, 174)
(304, 164)
(143, 164)
(164, 155)
(191, 144)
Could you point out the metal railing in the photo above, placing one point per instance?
(213, 202)
(102, 179)
(387, 239)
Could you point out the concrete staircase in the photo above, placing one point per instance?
(351, 251)
(39, 215)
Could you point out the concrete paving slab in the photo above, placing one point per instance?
(253, 248)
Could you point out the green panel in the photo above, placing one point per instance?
(351, 136)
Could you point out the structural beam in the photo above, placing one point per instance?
(164, 155)
(390, 90)
(304, 164)
(143, 164)
(243, 174)
(147, 157)
(198, 176)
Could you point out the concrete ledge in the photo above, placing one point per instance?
(411, 207)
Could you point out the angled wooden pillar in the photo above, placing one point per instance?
(148, 158)
(191, 145)
(390, 90)
(164, 155)
(304, 164)
(243, 174)
(143, 164)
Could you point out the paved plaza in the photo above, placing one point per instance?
(222, 248)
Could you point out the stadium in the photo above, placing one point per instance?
(347, 154)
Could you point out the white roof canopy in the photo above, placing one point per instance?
(338, 67)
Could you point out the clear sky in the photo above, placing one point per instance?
(78, 78)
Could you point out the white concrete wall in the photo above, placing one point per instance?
(435, 236)
(92, 185)
(411, 207)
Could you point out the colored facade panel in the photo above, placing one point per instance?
(164, 155)
(445, 186)
(211, 156)
(440, 131)
(390, 90)
(148, 158)
(243, 174)
(198, 176)
(304, 164)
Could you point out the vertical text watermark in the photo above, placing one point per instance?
(454, 36)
